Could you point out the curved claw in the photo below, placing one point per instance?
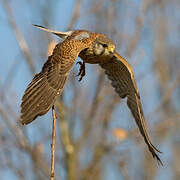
(79, 62)
(82, 70)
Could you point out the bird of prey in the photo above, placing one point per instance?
(93, 48)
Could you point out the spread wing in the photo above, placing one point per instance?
(46, 86)
(122, 79)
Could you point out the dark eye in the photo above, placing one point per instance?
(105, 45)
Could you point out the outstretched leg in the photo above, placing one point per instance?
(82, 70)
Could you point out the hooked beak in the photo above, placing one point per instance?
(62, 35)
(111, 48)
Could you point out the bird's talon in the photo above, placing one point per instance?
(80, 79)
(81, 70)
(78, 74)
(80, 63)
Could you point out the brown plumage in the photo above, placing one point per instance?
(46, 86)
(92, 48)
(122, 79)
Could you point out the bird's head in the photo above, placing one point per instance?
(103, 46)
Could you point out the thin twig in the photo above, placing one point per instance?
(53, 143)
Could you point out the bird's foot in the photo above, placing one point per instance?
(82, 70)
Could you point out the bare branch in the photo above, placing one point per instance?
(53, 143)
(75, 14)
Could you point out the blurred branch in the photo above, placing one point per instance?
(22, 142)
(20, 39)
(10, 76)
(167, 95)
(139, 24)
(16, 170)
(102, 148)
(92, 113)
(67, 142)
(75, 15)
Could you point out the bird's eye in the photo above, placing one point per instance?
(105, 45)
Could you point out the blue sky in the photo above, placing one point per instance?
(28, 13)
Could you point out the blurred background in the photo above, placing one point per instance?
(96, 135)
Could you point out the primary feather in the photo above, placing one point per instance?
(122, 79)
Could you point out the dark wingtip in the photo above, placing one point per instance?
(156, 149)
(153, 151)
(36, 25)
(159, 161)
(157, 158)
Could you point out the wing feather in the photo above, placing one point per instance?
(33, 92)
(42, 92)
(122, 79)
(46, 86)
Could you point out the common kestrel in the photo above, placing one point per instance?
(93, 48)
